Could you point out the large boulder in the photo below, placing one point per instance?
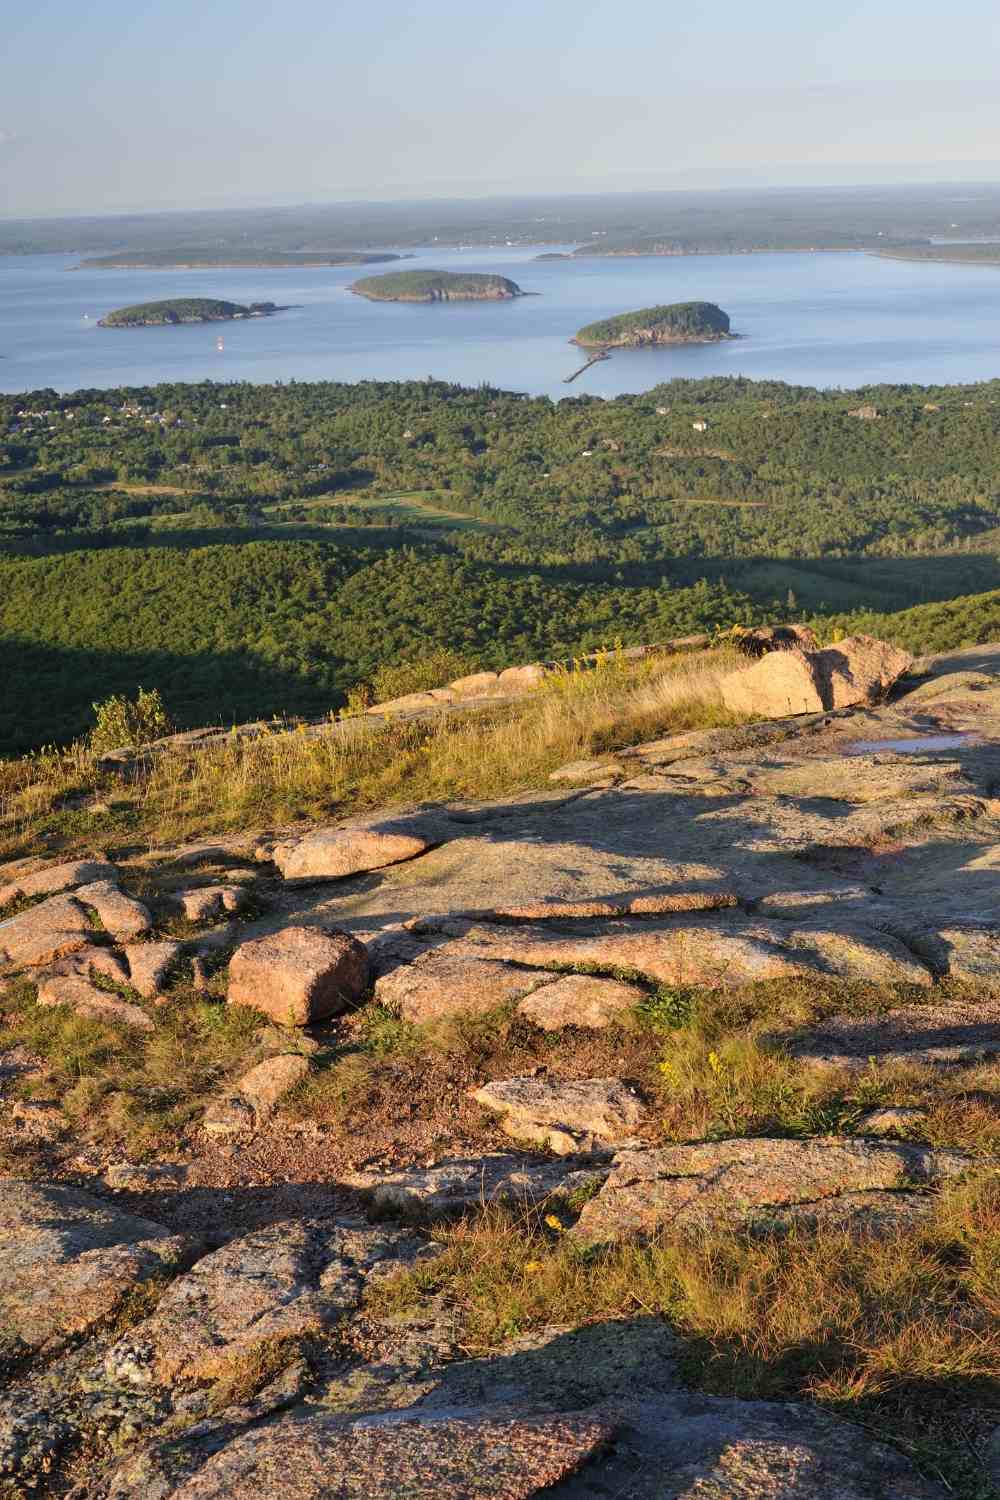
(780, 684)
(150, 966)
(857, 670)
(332, 853)
(88, 999)
(300, 975)
(121, 915)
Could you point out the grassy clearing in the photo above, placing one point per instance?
(899, 1333)
(287, 776)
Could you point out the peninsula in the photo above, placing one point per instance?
(185, 310)
(227, 260)
(678, 323)
(437, 286)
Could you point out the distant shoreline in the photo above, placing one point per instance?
(277, 262)
(981, 263)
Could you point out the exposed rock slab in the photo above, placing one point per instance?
(463, 1182)
(67, 1260)
(684, 1446)
(286, 1281)
(122, 915)
(477, 1456)
(300, 975)
(580, 1000)
(683, 1189)
(707, 952)
(86, 999)
(332, 853)
(45, 932)
(564, 1114)
(442, 985)
(50, 879)
(257, 1095)
(914, 1034)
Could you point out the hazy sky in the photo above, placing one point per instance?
(117, 104)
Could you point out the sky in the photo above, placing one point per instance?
(120, 105)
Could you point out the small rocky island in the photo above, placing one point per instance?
(437, 286)
(185, 310)
(677, 323)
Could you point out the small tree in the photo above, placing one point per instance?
(120, 721)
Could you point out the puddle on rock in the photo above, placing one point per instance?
(913, 745)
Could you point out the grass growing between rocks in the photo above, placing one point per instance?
(118, 1085)
(899, 1333)
(286, 776)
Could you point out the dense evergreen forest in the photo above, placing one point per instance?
(259, 549)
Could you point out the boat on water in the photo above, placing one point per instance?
(220, 343)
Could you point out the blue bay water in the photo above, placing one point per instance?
(838, 319)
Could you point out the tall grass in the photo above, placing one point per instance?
(289, 774)
(286, 776)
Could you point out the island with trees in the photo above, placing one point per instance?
(437, 286)
(185, 310)
(227, 260)
(678, 323)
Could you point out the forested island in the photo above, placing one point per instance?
(437, 286)
(676, 323)
(185, 310)
(227, 260)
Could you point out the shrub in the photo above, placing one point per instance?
(120, 721)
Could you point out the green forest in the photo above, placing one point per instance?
(254, 550)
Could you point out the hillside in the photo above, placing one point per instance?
(678, 323)
(183, 310)
(613, 1120)
(255, 549)
(436, 286)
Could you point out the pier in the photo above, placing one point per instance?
(594, 359)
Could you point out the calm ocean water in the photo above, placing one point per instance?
(822, 319)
